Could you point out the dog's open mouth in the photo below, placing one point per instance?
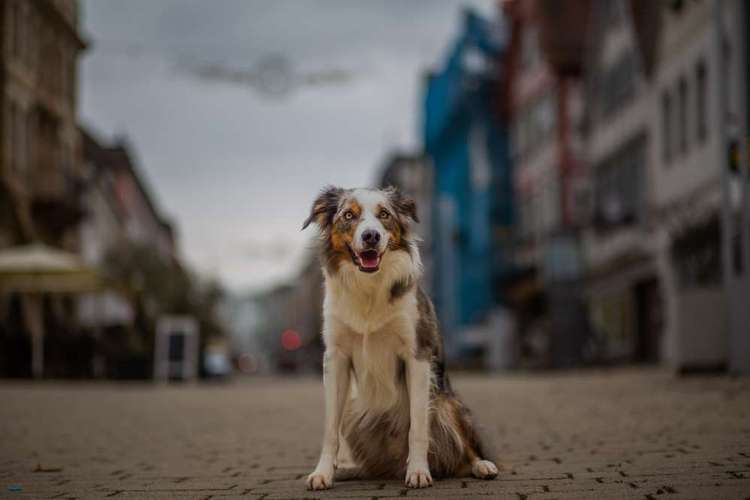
(367, 261)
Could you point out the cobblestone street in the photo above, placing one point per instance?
(620, 434)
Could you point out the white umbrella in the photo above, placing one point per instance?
(36, 269)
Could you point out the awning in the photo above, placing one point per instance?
(619, 274)
(41, 269)
(36, 269)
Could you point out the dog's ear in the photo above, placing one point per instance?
(405, 206)
(324, 207)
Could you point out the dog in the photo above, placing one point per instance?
(386, 391)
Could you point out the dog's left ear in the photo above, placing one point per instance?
(324, 207)
(405, 206)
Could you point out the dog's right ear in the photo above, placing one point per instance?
(324, 207)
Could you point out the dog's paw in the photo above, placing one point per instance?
(484, 469)
(418, 477)
(320, 481)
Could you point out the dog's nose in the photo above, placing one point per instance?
(371, 237)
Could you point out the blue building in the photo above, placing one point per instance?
(467, 142)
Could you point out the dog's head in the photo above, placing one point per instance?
(360, 226)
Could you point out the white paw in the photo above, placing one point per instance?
(320, 480)
(418, 477)
(484, 469)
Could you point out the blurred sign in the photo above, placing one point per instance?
(176, 349)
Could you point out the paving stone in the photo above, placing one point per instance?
(627, 433)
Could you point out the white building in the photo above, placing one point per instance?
(653, 248)
(686, 175)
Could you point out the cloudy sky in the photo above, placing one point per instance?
(239, 111)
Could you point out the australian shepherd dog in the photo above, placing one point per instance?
(388, 401)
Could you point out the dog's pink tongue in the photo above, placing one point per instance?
(369, 259)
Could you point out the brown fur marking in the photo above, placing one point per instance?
(338, 232)
(429, 343)
(406, 207)
(325, 207)
(400, 288)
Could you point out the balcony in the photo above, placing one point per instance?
(55, 197)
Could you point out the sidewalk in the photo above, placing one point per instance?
(585, 435)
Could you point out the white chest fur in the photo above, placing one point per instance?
(375, 330)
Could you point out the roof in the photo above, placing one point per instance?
(395, 161)
(119, 157)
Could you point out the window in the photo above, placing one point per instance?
(21, 138)
(530, 51)
(12, 28)
(63, 85)
(618, 84)
(535, 124)
(17, 136)
(682, 91)
(72, 75)
(552, 205)
(19, 31)
(701, 102)
(666, 126)
(527, 218)
(618, 185)
(613, 14)
(10, 119)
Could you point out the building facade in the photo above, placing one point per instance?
(40, 150)
(465, 140)
(412, 175)
(123, 227)
(623, 287)
(545, 112)
(654, 249)
(40, 169)
(688, 175)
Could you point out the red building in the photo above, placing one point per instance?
(544, 65)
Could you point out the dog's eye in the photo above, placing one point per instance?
(384, 214)
(348, 215)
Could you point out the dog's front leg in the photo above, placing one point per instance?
(336, 368)
(418, 469)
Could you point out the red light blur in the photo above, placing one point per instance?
(290, 340)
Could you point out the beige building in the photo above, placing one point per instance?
(40, 166)
(40, 147)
